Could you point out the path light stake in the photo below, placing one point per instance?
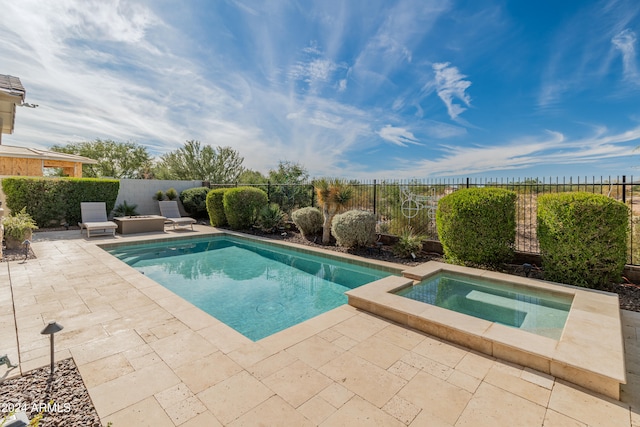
(50, 330)
(26, 244)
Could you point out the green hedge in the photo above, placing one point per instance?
(583, 238)
(215, 207)
(194, 201)
(241, 206)
(477, 225)
(53, 201)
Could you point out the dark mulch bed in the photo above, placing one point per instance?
(61, 399)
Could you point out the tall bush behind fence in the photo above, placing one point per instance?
(477, 225)
(384, 198)
(583, 238)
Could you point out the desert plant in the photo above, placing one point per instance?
(159, 196)
(18, 228)
(583, 238)
(194, 201)
(215, 207)
(125, 209)
(308, 220)
(333, 196)
(354, 228)
(477, 225)
(271, 217)
(409, 243)
(241, 206)
(171, 194)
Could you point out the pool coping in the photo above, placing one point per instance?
(590, 352)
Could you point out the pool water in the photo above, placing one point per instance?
(536, 311)
(255, 288)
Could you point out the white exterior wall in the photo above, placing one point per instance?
(141, 191)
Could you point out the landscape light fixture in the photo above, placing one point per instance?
(50, 330)
(26, 244)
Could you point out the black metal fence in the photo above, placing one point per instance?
(399, 204)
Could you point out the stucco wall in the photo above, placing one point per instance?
(141, 191)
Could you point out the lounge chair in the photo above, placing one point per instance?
(169, 209)
(94, 218)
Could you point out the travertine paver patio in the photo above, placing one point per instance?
(150, 358)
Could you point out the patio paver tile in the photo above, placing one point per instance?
(359, 412)
(587, 407)
(316, 409)
(131, 388)
(518, 386)
(272, 412)
(297, 383)
(234, 396)
(363, 378)
(207, 371)
(436, 396)
(144, 413)
(556, 419)
(105, 369)
(271, 364)
(336, 394)
(183, 348)
(315, 351)
(401, 409)
(379, 351)
(491, 406)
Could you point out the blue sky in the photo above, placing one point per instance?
(358, 89)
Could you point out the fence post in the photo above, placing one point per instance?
(269, 190)
(374, 196)
(467, 182)
(624, 189)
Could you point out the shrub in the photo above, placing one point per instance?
(194, 201)
(241, 206)
(171, 194)
(125, 209)
(159, 196)
(52, 201)
(271, 217)
(215, 207)
(354, 228)
(308, 220)
(583, 238)
(18, 226)
(408, 244)
(477, 225)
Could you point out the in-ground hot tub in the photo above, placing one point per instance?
(588, 349)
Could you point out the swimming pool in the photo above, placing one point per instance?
(257, 288)
(532, 310)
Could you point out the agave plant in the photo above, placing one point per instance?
(271, 217)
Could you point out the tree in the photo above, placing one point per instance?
(289, 186)
(333, 196)
(221, 165)
(115, 159)
(249, 176)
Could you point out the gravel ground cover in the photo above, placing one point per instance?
(61, 399)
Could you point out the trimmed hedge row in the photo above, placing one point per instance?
(477, 225)
(583, 238)
(215, 207)
(52, 201)
(242, 205)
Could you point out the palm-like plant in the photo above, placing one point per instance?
(333, 196)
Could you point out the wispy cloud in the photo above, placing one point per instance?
(449, 84)
(398, 136)
(625, 42)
